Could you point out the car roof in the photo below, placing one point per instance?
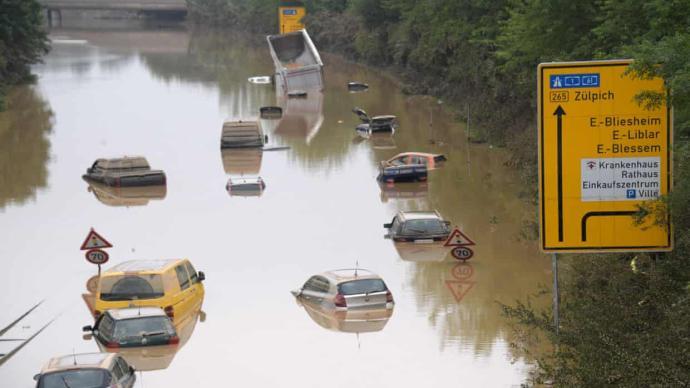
(142, 266)
(425, 154)
(127, 161)
(136, 312)
(79, 361)
(245, 180)
(343, 275)
(419, 215)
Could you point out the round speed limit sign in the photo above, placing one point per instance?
(97, 256)
(462, 253)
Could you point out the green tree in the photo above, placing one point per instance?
(23, 41)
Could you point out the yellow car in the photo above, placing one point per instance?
(173, 285)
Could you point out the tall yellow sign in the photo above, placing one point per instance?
(290, 14)
(601, 154)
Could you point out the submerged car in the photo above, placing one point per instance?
(134, 327)
(89, 370)
(345, 289)
(173, 285)
(242, 133)
(247, 187)
(375, 124)
(431, 161)
(407, 173)
(124, 172)
(418, 226)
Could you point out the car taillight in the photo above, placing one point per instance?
(170, 312)
(340, 300)
(174, 340)
(112, 345)
(117, 182)
(389, 297)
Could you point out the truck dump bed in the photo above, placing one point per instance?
(297, 63)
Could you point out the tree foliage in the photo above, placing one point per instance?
(22, 41)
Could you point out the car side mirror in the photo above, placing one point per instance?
(201, 276)
(37, 376)
(87, 328)
(388, 225)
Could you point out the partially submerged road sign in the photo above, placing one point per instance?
(601, 154)
(458, 239)
(95, 240)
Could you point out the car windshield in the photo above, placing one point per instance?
(362, 286)
(131, 287)
(143, 327)
(427, 226)
(80, 378)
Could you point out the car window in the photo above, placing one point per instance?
(105, 327)
(193, 276)
(428, 226)
(131, 287)
(182, 277)
(395, 227)
(75, 378)
(143, 327)
(311, 284)
(122, 366)
(118, 372)
(362, 286)
(322, 284)
(398, 161)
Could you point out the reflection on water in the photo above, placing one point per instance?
(164, 93)
(363, 320)
(24, 145)
(126, 196)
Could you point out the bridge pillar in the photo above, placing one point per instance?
(50, 13)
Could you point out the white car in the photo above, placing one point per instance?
(90, 370)
(345, 289)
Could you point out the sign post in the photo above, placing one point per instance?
(601, 156)
(92, 245)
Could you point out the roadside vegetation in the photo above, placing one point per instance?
(624, 317)
(23, 41)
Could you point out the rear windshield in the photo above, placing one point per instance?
(92, 378)
(429, 226)
(131, 287)
(363, 286)
(143, 327)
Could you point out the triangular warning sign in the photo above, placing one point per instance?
(458, 239)
(459, 288)
(95, 240)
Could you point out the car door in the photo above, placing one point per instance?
(184, 300)
(197, 288)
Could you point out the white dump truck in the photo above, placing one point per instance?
(297, 63)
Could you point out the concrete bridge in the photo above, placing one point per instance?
(54, 8)
(124, 5)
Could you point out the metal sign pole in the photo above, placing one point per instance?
(555, 292)
(99, 270)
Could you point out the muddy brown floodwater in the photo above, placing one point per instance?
(164, 94)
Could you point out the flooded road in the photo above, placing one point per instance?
(164, 94)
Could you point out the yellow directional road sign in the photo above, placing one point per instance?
(601, 155)
(290, 14)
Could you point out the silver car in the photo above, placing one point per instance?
(419, 227)
(345, 289)
(90, 370)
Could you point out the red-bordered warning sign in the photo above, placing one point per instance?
(458, 239)
(95, 241)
